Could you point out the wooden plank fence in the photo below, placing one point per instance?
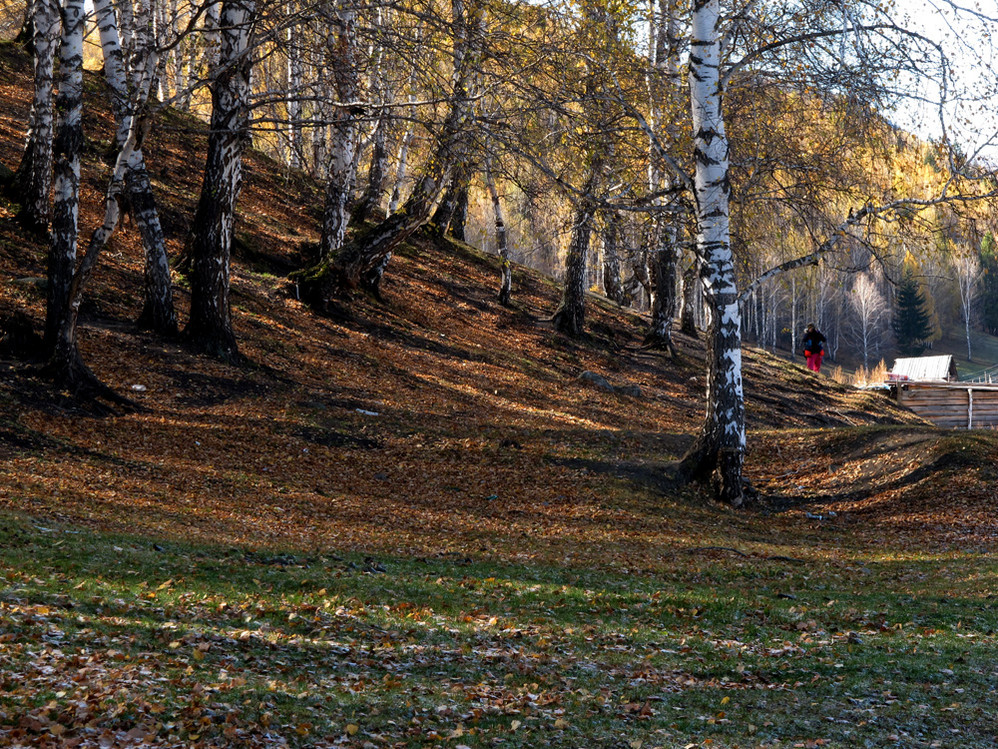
(958, 405)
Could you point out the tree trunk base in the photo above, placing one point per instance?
(68, 372)
(160, 321)
(568, 322)
(221, 347)
(719, 469)
(655, 341)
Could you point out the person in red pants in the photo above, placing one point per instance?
(814, 348)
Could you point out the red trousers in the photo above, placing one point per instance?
(814, 360)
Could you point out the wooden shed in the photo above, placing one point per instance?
(924, 369)
(957, 405)
(929, 386)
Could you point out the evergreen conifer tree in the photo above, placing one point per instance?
(912, 325)
(989, 284)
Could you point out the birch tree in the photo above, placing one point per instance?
(719, 450)
(870, 311)
(342, 54)
(570, 317)
(361, 262)
(66, 365)
(209, 328)
(664, 88)
(158, 312)
(968, 277)
(33, 178)
(66, 180)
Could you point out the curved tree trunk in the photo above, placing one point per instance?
(158, 312)
(377, 175)
(33, 178)
(66, 365)
(209, 329)
(66, 180)
(719, 450)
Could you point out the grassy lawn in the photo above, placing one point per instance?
(115, 639)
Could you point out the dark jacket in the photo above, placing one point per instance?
(813, 341)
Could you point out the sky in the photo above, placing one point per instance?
(972, 114)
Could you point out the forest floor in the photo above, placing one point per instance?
(410, 523)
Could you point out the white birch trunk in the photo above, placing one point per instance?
(719, 451)
(209, 328)
(66, 181)
(793, 316)
(66, 364)
(342, 50)
(158, 311)
(401, 166)
(212, 34)
(296, 77)
(402, 160)
(33, 179)
(968, 274)
(126, 29)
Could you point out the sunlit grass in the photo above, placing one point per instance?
(257, 646)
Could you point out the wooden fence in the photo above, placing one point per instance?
(966, 405)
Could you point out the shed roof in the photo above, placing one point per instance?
(925, 368)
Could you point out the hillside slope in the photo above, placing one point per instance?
(437, 414)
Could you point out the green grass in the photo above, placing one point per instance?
(237, 647)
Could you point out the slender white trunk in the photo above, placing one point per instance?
(402, 160)
(720, 448)
(296, 76)
(342, 50)
(33, 178)
(66, 182)
(793, 314)
(401, 169)
(158, 311)
(126, 27)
